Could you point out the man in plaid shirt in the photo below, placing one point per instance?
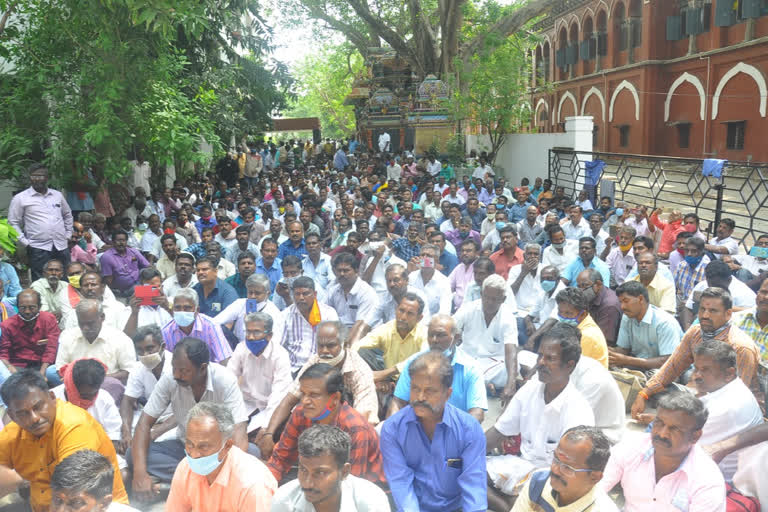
(408, 247)
(322, 387)
(690, 272)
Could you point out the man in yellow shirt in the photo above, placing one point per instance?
(572, 309)
(43, 433)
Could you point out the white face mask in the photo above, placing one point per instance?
(335, 360)
(150, 361)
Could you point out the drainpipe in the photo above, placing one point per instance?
(706, 107)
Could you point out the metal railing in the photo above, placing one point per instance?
(678, 183)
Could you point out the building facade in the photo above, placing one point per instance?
(684, 78)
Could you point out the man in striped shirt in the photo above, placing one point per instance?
(189, 322)
(690, 272)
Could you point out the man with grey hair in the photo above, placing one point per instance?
(434, 284)
(189, 322)
(216, 474)
(529, 228)
(257, 300)
(526, 286)
(324, 481)
(667, 465)
(488, 328)
(263, 370)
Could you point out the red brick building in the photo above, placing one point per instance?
(684, 78)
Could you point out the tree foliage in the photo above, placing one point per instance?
(94, 80)
(322, 81)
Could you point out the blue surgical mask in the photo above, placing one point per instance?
(143, 226)
(570, 321)
(619, 212)
(184, 318)
(204, 466)
(325, 412)
(692, 261)
(548, 285)
(256, 346)
(500, 225)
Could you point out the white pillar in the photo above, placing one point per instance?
(580, 128)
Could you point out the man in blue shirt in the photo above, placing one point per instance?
(448, 260)
(213, 293)
(340, 161)
(586, 259)
(269, 263)
(468, 384)
(295, 245)
(434, 453)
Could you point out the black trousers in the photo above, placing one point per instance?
(39, 257)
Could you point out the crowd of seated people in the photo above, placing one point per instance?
(325, 332)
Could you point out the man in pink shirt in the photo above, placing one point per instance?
(216, 474)
(666, 470)
(464, 273)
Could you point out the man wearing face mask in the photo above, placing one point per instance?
(468, 384)
(322, 387)
(602, 303)
(31, 338)
(561, 251)
(621, 259)
(189, 322)
(232, 319)
(263, 369)
(540, 319)
(292, 269)
(154, 361)
(216, 474)
(572, 309)
(69, 295)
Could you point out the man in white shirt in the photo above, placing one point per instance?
(723, 243)
(598, 234)
(384, 141)
(394, 171)
(718, 274)
(621, 259)
(91, 287)
(351, 297)
(483, 170)
(562, 251)
(453, 196)
(731, 405)
(378, 259)
(183, 278)
(639, 221)
(575, 226)
(441, 185)
(526, 285)
(262, 368)
(435, 285)
(539, 320)
(433, 166)
(541, 412)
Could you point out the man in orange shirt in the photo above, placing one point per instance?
(509, 254)
(43, 433)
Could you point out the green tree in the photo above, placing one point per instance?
(323, 80)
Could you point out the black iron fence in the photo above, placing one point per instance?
(667, 182)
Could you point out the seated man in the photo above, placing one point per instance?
(224, 268)
(121, 264)
(246, 266)
(324, 477)
(731, 405)
(463, 275)
(322, 387)
(621, 259)
(357, 375)
(31, 338)
(718, 275)
(90, 287)
(541, 317)
(188, 322)
(183, 278)
(667, 466)
(49, 430)
(262, 368)
(257, 300)
(154, 361)
(690, 272)
(194, 379)
(753, 320)
(214, 295)
(165, 265)
(647, 334)
(468, 386)
(351, 297)
(571, 483)
(560, 253)
(540, 412)
(572, 309)
(586, 259)
(49, 285)
(243, 245)
(434, 453)
(509, 254)
(714, 323)
(661, 291)
(525, 281)
(489, 332)
(93, 338)
(602, 303)
(138, 315)
(85, 478)
(216, 474)
(435, 285)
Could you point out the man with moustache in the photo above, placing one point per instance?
(667, 469)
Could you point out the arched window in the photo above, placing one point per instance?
(636, 22)
(546, 61)
(620, 27)
(588, 48)
(602, 31)
(572, 53)
(561, 57)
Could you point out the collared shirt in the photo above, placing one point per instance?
(171, 285)
(34, 458)
(527, 233)
(217, 301)
(669, 232)
(486, 196)
(204, 328)
(661, 292)
(541, 424)
(517, 212)
(561, 261)
(441, 474)
(299, 335)
(243, 483)
(356, 305)
(596, 500)
(124, 268)
(483, 340)
(287, 249)
(49, 298)
(321, 272)
(147, 242)
(468, 382)
(530, 290)
(225, 269)
(460, 278)
(357, 495)
(141, 380)
(682, 358)
(546, 306)
(112, 347)
(358, 381)
(165, 266)
(385, 310)
(104, 410)
(580, 230)
(742, 295)
(455, 237)
(747, 321)
(42, 221)
(405, 250)
(620, 264)
(599, 239)
(235, 314)
(378, 278)
(606, 312)
(235, 251)
(147, 315)
(395, 349)
(732, 410)
(113, 310)
(504, 263)
(448, 260)
(657, 334)
(220, 387)
(576, 267)
(237, 283)
(437, 290)
(728, 242)
(593, 342)
(21, 345)
(274, 272)
(641, 228)
(696, 486)
(264, 380)
(201, 223)
(10, 279)
(364, 457)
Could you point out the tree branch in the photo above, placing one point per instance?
(6, 15)
(357, 38)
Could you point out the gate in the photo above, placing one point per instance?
(669, 182)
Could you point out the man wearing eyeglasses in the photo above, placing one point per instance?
(571, 482)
